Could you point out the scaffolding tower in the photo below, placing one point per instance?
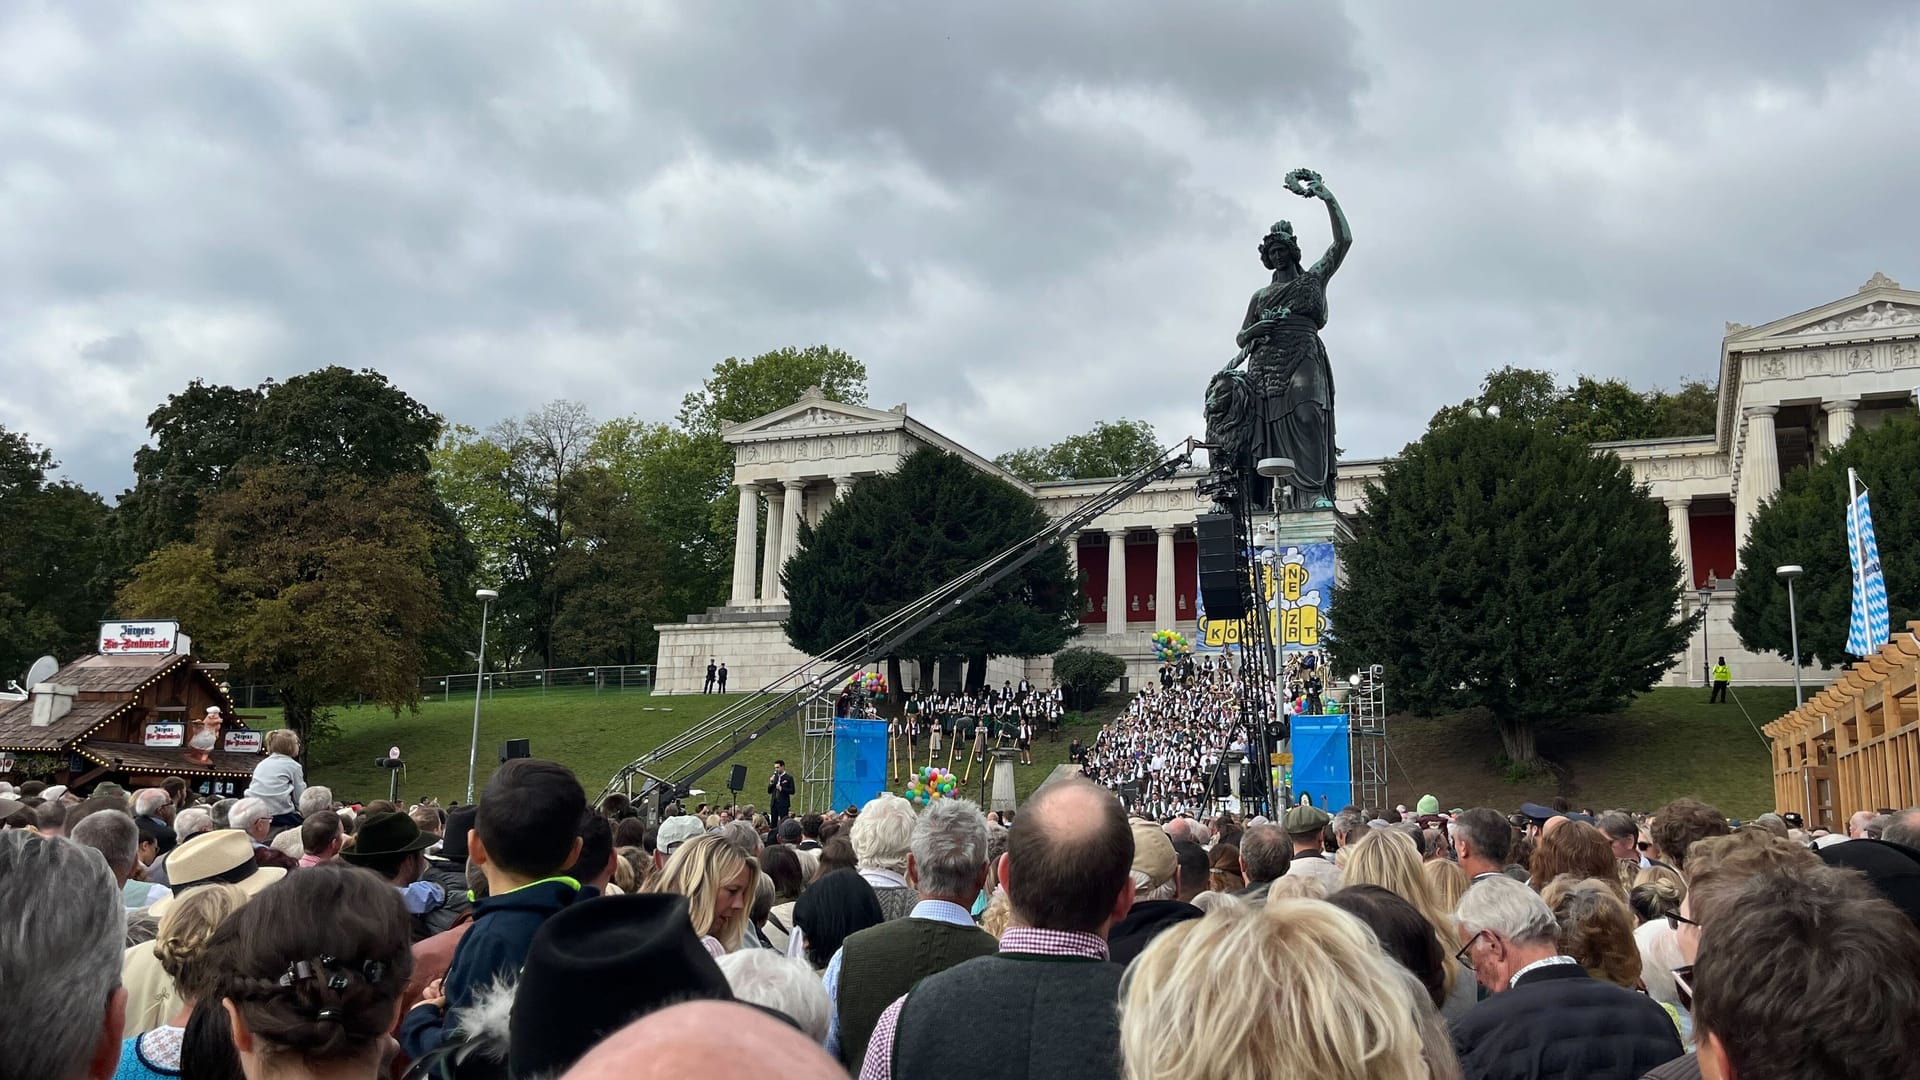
(816, 754)
(1367, 737)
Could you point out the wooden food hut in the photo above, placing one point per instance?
(1855, 745)
(130, 719)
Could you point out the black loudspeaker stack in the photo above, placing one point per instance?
(514, 748)
(737, 781)
(1223, 581)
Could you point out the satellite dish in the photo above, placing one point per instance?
(42, 670)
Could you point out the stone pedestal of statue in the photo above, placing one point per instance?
(1004, 762)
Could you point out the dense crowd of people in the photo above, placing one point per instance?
(145, 936)
(1163, 753)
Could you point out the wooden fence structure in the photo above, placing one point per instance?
(1855, 745)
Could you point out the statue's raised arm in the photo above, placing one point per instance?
(1307, 184)
(1282, 406)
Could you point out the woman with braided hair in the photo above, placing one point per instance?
(183, 949)
(312, 971)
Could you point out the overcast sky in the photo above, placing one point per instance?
(1023, 218)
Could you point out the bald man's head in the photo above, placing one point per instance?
(714, 1040)
(1068, 857)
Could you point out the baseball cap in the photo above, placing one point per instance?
(1536, 813)
(678, 830)
(1152, 854)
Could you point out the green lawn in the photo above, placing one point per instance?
(594, 734)
(1665, 744)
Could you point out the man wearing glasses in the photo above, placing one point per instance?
(1547, 1017)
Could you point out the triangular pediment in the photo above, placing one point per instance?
(815, 412)
(1880, 305)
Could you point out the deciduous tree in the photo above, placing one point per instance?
(322, 585)
(1110, 448)
(55, 551)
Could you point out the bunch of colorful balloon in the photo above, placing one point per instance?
(1170, 645)
(873, 682)
(931, 783)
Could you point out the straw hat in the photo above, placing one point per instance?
(224, 855)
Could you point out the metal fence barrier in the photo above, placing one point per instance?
(602, 679)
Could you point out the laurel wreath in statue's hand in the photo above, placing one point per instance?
(1306, 184)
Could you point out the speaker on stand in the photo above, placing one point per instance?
(515, 748)
(737, 782)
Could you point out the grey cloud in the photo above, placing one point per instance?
(1023, 218)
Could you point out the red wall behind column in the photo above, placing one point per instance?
(1093, 572)
(1186, 582)
(1142, 563)
(1712, 539)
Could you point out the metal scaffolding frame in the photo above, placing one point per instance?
(1367, 737)
(816, 754)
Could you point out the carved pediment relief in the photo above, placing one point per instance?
(815, 417)
(1875, 316)
(812, 413)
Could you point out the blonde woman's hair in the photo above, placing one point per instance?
(1215, 900)
(283, 741)
(1298, 887)
(1448, 881)
(1334, 1007)
(1390, 859)
(698, 870)
(181, 943)
(1595, 928)
(1656, 891)
(999, 913)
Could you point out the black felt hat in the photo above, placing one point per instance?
(596, 967)
(453, 846)
(386, 834)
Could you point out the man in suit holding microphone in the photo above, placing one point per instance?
(780, 790)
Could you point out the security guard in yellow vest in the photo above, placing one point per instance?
(1722, 675)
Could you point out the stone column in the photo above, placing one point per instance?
(842, 487)
(1116, 581)
(1680, 522)
(1840, 419)
(745, 535)
(1759, 469)
(1163, 606)
(775, 552)
(790, 532)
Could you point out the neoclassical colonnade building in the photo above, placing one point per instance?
(1790, 390)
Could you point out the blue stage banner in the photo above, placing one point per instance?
(1296, 583)
(859, 761)
(1322, 765)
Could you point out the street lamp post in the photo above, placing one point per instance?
(1281, 471)
(1793, 627)
(486, 598)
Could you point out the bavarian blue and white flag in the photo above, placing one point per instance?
(1870, 626)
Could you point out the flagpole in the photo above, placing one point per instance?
(1857, 555)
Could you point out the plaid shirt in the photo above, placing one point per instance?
(878, 1064)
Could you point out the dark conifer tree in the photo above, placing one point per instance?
(898, 536)
(1501, 566)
